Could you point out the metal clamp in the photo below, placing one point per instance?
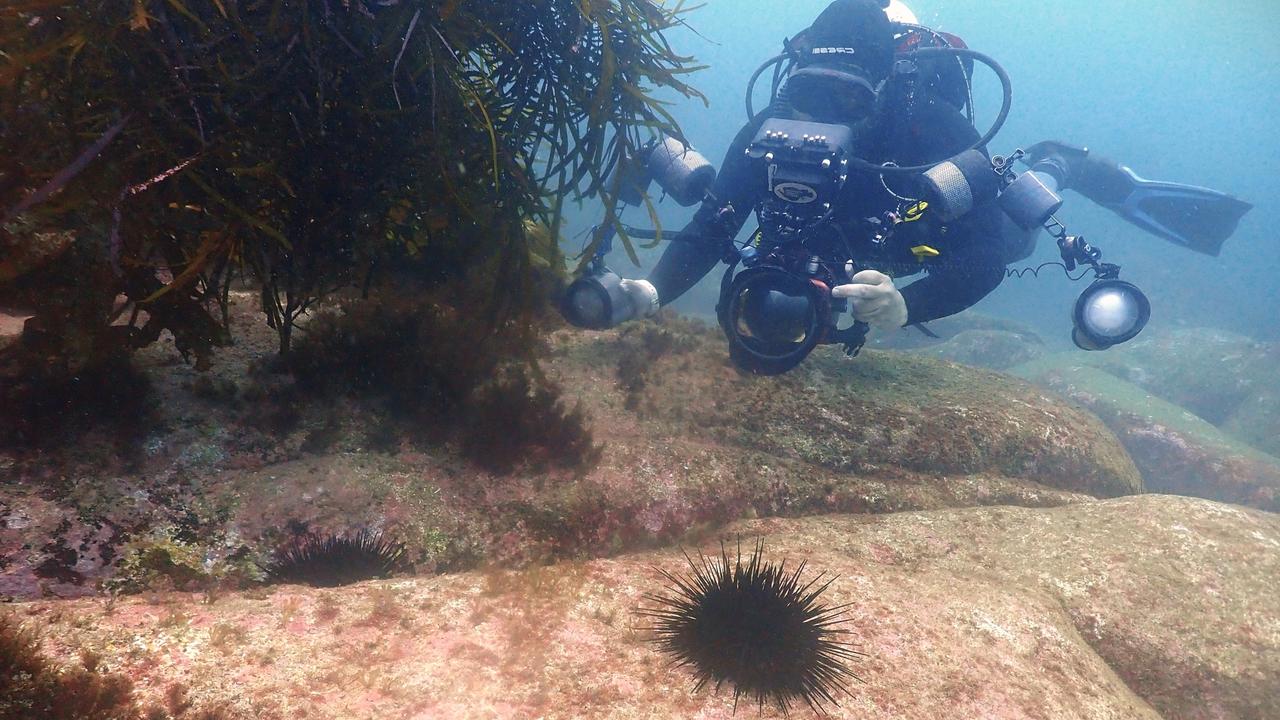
(1003, 165)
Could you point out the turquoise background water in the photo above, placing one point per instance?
(1187, 90)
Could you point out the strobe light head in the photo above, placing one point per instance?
(682, 172)
(596, 301)
(1108, 313)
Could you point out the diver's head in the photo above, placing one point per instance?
(843, 57)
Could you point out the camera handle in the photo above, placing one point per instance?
(853, 338)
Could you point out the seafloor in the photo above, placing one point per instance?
(1051, 536)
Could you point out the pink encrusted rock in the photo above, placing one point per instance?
(45, 549)
(10, 326)
(1140, 608)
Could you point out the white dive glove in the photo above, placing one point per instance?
(644, 297)
(875, 300)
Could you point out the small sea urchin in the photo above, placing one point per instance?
(755, 626)
(333, 560)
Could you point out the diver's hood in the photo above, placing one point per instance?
(840, 60)
(849, 33)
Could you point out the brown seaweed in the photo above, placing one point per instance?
(305, 146)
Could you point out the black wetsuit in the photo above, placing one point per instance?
(972, 249)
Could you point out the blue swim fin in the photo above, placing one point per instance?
(1196, 218)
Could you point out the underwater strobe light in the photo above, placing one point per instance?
(1108, 313)
(601, 299)
(597, 301)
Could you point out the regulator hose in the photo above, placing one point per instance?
(755, 77)
(1005, 105)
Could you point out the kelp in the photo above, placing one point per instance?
(306, 146)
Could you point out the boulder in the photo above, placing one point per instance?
(992, 349)
(1144, 607)
(1176, 450)
(1257, 419)
(689, 444)
(945, 329)
(881, 411)
(1208, 371)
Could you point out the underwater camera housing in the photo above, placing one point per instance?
(805, 163)
(779, 308)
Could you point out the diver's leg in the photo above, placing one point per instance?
(1196, 218)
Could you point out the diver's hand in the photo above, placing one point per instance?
(875, 300)
(644, 297)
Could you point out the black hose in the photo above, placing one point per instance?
(779, 71)
(755, 77)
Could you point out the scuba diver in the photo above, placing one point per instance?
(866, 168)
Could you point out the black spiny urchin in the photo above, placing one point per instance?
(754, 626)
(333, 560)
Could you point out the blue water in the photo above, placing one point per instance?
(1186, 91)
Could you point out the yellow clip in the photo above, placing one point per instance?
(915, 212)
(924, 252)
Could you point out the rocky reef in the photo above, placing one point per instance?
(688, 444)
(1222, 377)
(989, 535)
(1194, 409)
(1144, 607)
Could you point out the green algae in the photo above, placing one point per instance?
(160, 561)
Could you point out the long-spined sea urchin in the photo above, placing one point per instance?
(334, 560)
(754, 626)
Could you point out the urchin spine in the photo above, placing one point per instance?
(754, 625)
(334, 560)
